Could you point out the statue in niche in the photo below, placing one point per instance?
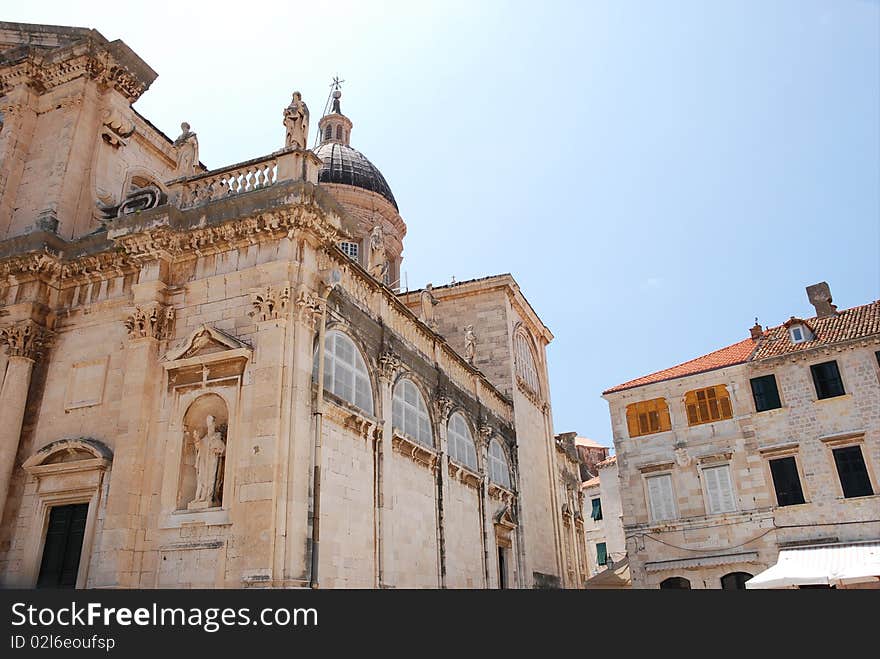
(378, 256)
(470, 343)
(187, 145)
(210, 448)
(296, 121)
(428, 302)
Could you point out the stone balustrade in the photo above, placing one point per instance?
(255, 174)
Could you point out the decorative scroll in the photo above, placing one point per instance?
(139, 199)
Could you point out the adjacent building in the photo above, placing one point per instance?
(210, 377)
(603, 524)
(756, 465)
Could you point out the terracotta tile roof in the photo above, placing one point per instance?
(855, 323)
(590, 483)
(733, 354)
(607, 461)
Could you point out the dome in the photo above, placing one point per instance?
(348, 166)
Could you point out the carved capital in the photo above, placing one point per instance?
(485, 434)
(155, 321)
(309, 306)
(444, 407)
(25, 339)
(271, 303)
(389, 364)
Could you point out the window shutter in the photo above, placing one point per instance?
(632, 422)
(718, 489)
(660, 497)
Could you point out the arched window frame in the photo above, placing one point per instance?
(708, 405)
(401, 406)
(735, 580)
(462, 448)
(647, 417)
(675, 583)
(526, 362)
(499, 465)
(361, 395)
(328, 132)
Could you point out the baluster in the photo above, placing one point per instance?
(261, 177)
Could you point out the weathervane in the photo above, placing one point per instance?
(332, 104)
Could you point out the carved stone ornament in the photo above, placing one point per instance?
(389, 363)
(25, 339)
(309, 305)
(115, 129)
(681, 456)
(444, 406)
(137, 200)
(486, 432)
(271, 303)
(155, 321)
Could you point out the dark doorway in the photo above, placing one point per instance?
(735, 581)
(64, 538)
(675, 583)
(502, 568)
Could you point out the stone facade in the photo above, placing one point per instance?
(160, 373)
(714, 528)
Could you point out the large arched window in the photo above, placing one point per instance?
(461, 442)
(499, 471)
(675, 583)
(345, 373)
(526, 372)
(410, 414)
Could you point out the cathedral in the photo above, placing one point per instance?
(212, 378)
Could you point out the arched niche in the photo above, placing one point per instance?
(203, 456)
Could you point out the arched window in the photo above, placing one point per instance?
(499, 471)
(707, 405)
(735, 581)
(409, 413)
(526, 372)
(647, 417)
(461, 442)
(328, 132)
(675, 583)
(339, 132)
(345, 373)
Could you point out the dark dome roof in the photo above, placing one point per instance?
(343, 164)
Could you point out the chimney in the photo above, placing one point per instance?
(756, 331)
(820, 297)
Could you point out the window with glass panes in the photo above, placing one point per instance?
(853, 473)
(461, 442)
(786, 481)
(765, 393)
(410, 414)
(345, 373)
(596, 512)
(707, 405)
(826, 377)
(350, 249)
(525, 363)
(499, 471)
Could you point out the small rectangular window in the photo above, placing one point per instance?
(826, 377)
(597, 510)
(786, 481)
(766, 393)
(350, 249)
(852, 472)
(601, 553)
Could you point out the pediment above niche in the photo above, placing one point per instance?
(209, 349)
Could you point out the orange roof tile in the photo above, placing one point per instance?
(590, 483)
(855, 323)
(737, 353)
(607, 461)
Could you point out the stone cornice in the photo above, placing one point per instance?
(113, 65)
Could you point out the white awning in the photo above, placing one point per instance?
(838, 564)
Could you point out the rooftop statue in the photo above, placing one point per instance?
(296, 121)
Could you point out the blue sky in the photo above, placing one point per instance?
(654, 174)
